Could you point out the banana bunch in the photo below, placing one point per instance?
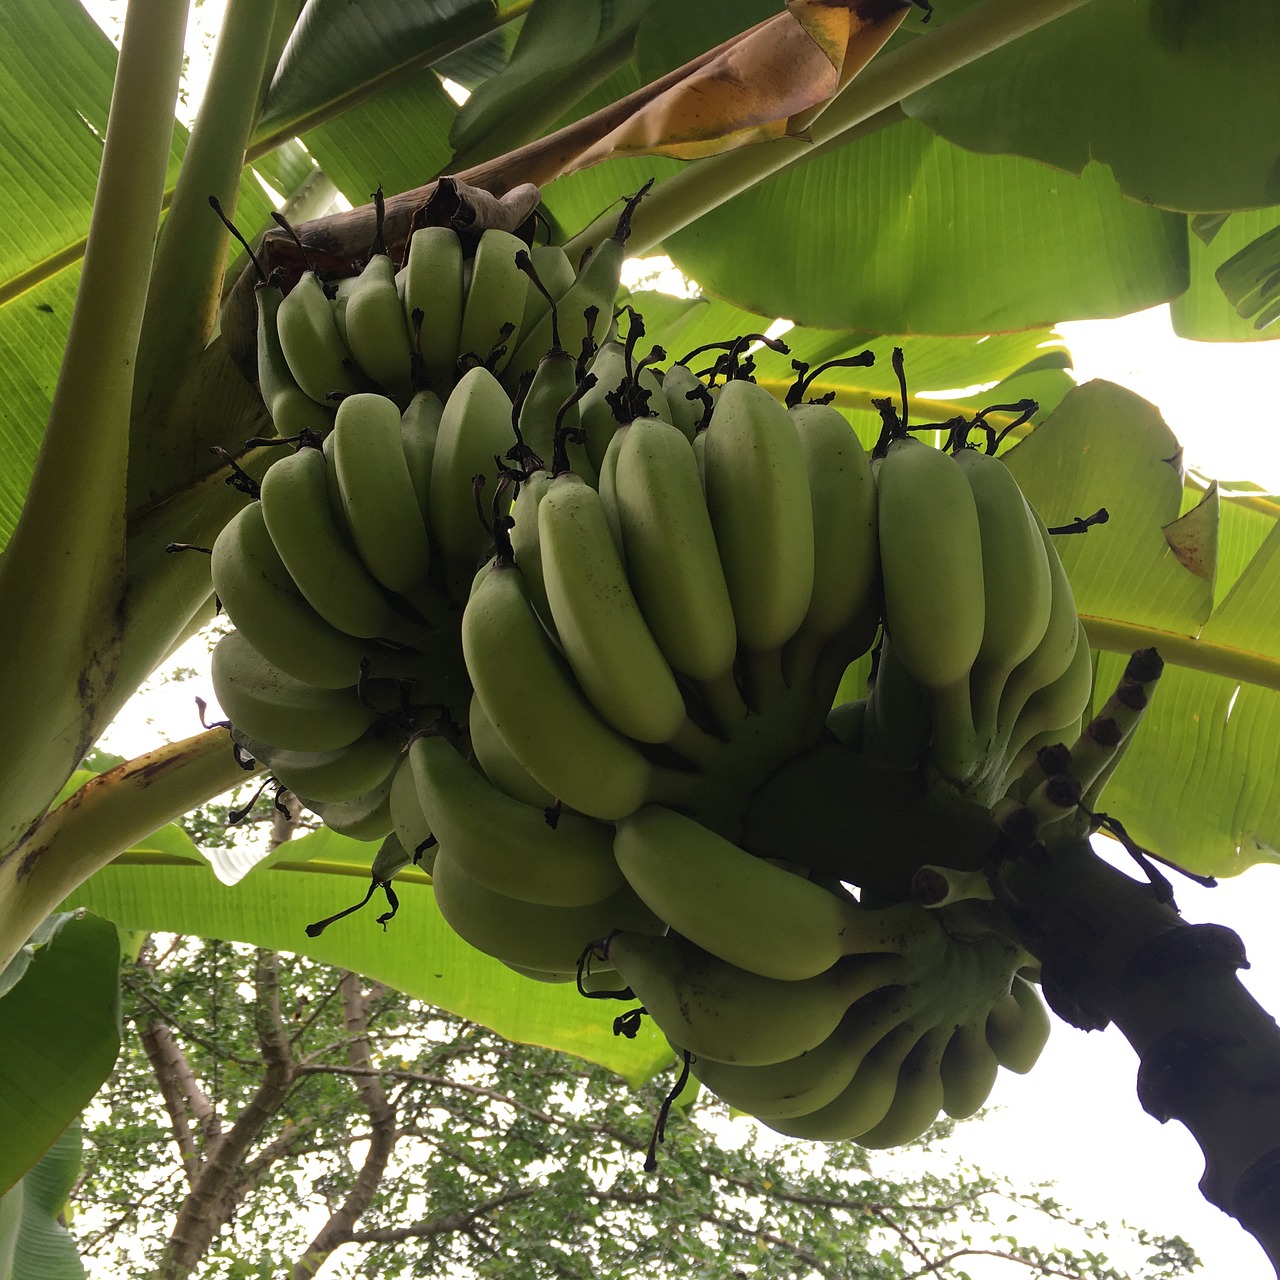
(456, 302)
(982, 656)
(663, 631)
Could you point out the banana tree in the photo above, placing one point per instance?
(951, 182)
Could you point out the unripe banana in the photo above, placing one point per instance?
(603, 633)
(378, 496)
(311, 343)
(596, 415)
(410, 824)
(1060, 702)
(262, 599)
(716, 1010)
(686, 396)
(531, 697)
(757, 491)
(475, 426)
(495, 299)
(846, 562)
(433, 284)
(751, 913)
(1017, 584)
(670, 549)
(917, 1097)
(268, 704)
(346, 773)
(541, 415)
(968, 1070)
(419, 429)
(551, 939)
(506, 845)
(366, 817)
(899, 723)
(525, 545)
(934, 611)
(376, 332)
(291, 409)
(500, 766)
(317, 550)
(556, 272)
(1018, 1027)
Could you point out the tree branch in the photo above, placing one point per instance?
(382, 1138)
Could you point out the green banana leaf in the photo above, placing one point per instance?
(1204, 311)
(60, 1026)
(1198, 784)
(1179, 101)
(34, 1245)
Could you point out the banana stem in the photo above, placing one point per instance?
(186, 283)
(57, 663)
(108, 815)
(706, 184)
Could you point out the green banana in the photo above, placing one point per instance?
(500, 766)
(544, 415)
(311, 342)
(670, 549)
(378, 496)
(751, 913)
(556, 272)
(716, 1010)
(495, 299)
(1017, 583)
(525, 545)
(376, 333)
(419, 429)
(600, 626)
(365, 817)
(547, 938)
(291, 409)
(434, 286)
(262, 599)
(899, 720)
(505, 844)
(345, 773)
(967, 1070)
(1057, 703)
(408, 821)
(531, 697)
(757, 493)
(272, 706)
(934, 612)
(1018, 1027)
(685, 395)
(474, 427)
(316, 547)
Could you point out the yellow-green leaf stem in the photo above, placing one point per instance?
(707, 184)
(108, 815)
(62, 574)
(186, 282)
(1184, 651)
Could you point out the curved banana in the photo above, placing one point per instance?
(600, 626)
(345, 773)
(757, 492)
(899, 720)
(968, 1070)
(596, 415)
(716, 1010)
(751, 913)
(525, 544)
(408, 821)
(272, 706)
(316, 549)
(505, 844)
(686, 396)
(262, 599)
(311, 343)
(541, 417)
(1018, 1027)
(670, 549)
(1017, 583)
(500, 766)
(474, 427)
(376, 332)
(556, 272)
(419, 429)
(522, 933)
(495, 299)
(433, 285)
(531, 697)
(846, 561)
(1060, 702)
(378, 496)
(291, 409)
(934, 610)
(365, 817)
